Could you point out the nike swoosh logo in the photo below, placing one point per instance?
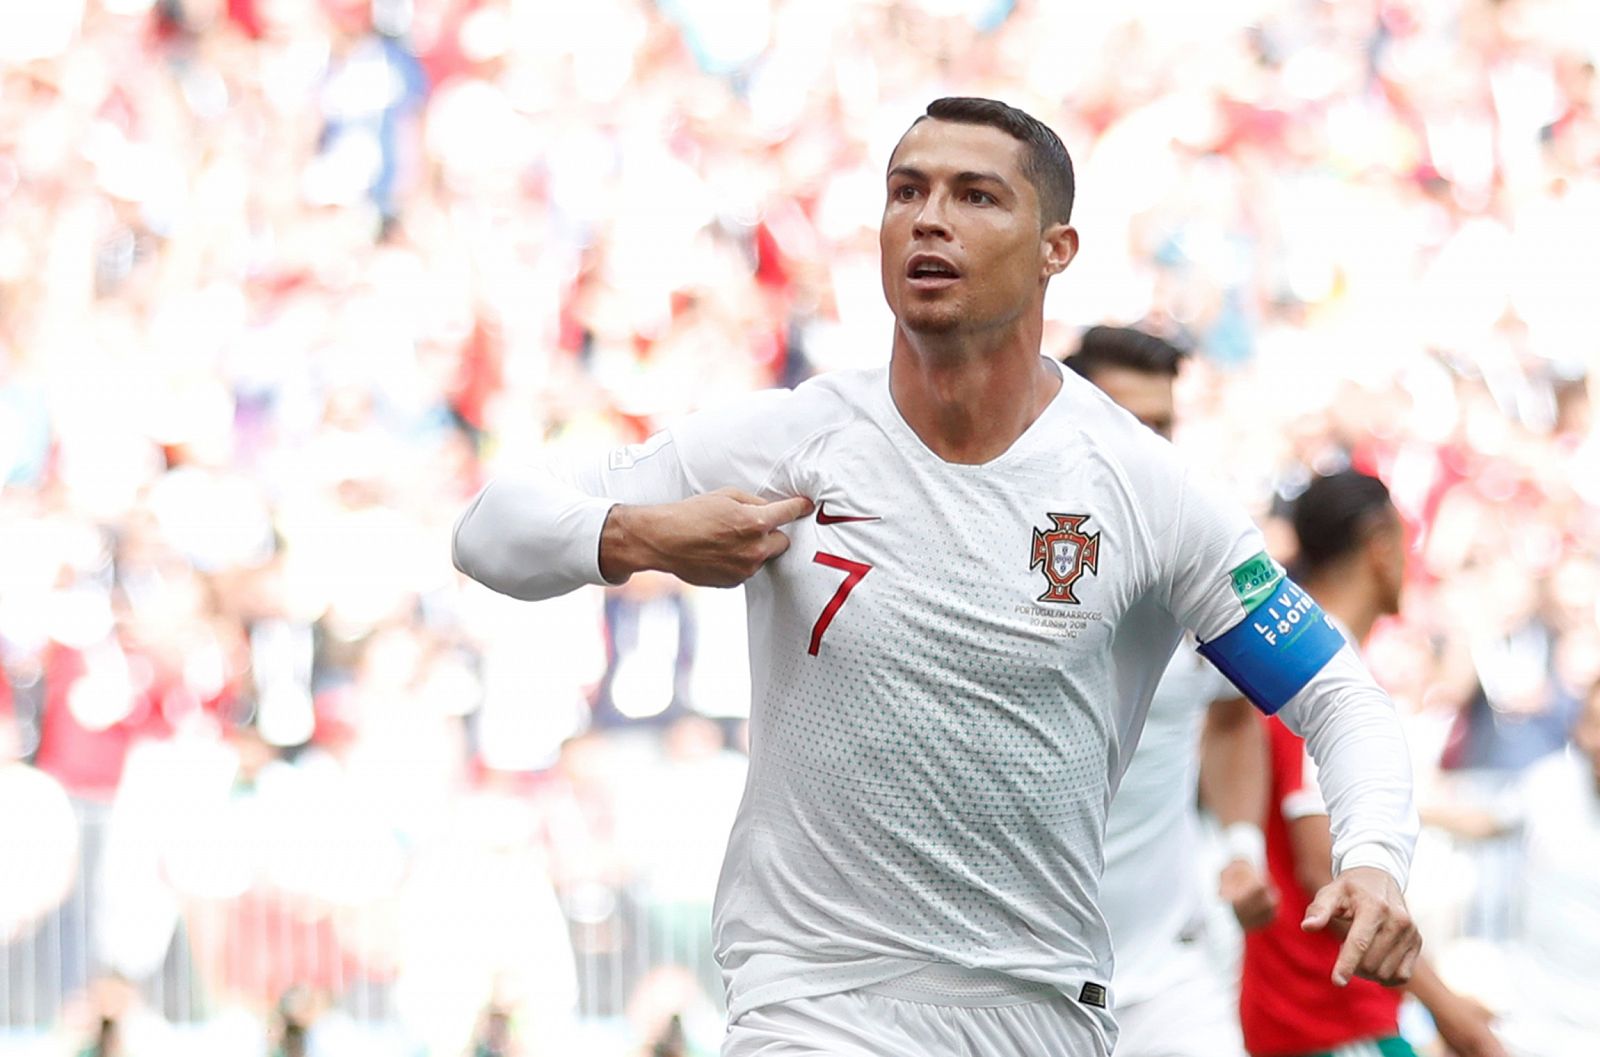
(825, 518)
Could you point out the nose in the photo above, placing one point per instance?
(930, 219)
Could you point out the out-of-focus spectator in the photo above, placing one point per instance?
(38, 872)
(118, 1023)
(495, 1036)
(1542, 981)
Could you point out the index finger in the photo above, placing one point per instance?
(1356, 943)
(782, 511)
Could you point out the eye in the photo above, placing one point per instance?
(903, 193)
(979, 198)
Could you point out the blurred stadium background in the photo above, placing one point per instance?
(282, 280)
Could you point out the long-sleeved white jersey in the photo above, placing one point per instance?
(950, 666)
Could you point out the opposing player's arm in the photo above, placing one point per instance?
(1465, 1024)
(1311, 844)
(696, 501)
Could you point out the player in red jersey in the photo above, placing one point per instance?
(1352, 554)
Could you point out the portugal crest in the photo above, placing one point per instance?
(1065, 552)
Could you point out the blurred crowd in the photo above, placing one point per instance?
(281, 281)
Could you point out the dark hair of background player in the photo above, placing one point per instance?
(1103, 347)
(1333, 516)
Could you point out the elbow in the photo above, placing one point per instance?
(476, 554)
(462, 544)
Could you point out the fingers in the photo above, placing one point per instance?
(1395, 950)
(1381, 941)
(1356, 944)
(783, 511)
(740, 495)
(1389, 968)
(776, 544)
(1321, 910)
(1409, 965)
(723, 538)
(774, 513)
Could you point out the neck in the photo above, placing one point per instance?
(968, 399)
(1345, 595)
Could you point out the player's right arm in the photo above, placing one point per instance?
(718, 539)
(704, 501)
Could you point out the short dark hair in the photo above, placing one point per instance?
(1045, 162)
(1134, 350)
(1334, 514)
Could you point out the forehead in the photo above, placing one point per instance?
(937, 147)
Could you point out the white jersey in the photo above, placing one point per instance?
(1150, 891)
(949, 667)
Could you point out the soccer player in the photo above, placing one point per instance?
(965, 572)
(1352, 557)
(1171, 1000)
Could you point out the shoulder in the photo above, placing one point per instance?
(780, 415)
(744, 440)
(1147, 461)
(1163, 483)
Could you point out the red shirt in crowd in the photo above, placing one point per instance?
(1288, 1003)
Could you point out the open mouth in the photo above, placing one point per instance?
(931, 270)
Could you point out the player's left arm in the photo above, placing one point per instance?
(1354, 736)
(1275, 644)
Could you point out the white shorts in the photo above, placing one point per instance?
(910, 1018)
(1197, 1015)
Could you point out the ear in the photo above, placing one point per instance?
(1386, 550)
(1060, 246)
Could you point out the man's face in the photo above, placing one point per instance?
(1388, 552)
(1148, 397)
(961, 241)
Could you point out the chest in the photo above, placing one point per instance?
(1034, 561)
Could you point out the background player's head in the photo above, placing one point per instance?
(1350, 534)
(977, 217)
(1135, 369)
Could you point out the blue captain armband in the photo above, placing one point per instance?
(1276, 650)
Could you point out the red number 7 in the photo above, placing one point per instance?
(854, 572)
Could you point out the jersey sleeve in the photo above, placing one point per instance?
(534, 532)
(1363, 768)
(1275, 644)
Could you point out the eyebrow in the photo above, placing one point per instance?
(966, 177)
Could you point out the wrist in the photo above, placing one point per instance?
(1244, 842)
(622, 548)
(1373, 857)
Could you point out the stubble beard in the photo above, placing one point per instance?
(935, 318)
